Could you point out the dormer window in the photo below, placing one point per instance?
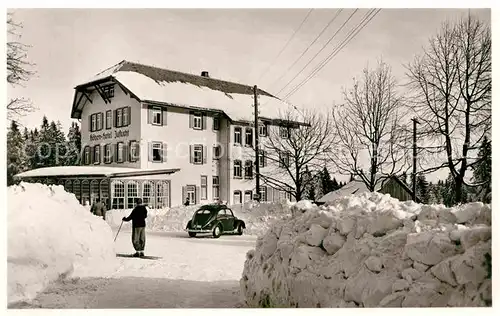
(108, 91)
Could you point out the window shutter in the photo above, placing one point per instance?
(164, 152)
(184, 194)
(114, 118)
(91, 160)
(90, 123)
(191, 118)
(138, 151)
(265, 129)
(129, 110)
(164, 117)
(150, 115)
(203, 121)
(116, 152)
(150, 151)
(125, 152)
(129, 152)
(191, 154)
(205, 153)
(197, 192)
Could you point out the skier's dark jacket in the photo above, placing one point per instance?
(138, 216)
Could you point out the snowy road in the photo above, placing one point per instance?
(191, 273)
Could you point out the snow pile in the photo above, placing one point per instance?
(371, 250)
(51, 236)
(258, 217)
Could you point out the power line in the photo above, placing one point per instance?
(346, 41)
(286, 45)
(307, 49)
(324, 46)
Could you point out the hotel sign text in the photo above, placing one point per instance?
(109, 135)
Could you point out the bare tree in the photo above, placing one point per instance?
(452, 85)
(18, 69)
(294, 150)
(369, 143)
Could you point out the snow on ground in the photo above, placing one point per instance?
(51, 236)
(258, 217)
(190, 273)
(371, 250)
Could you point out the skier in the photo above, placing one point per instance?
(138, 217)
(99, 209)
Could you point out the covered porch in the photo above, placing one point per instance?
(116, 187)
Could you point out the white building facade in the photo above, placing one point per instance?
(145, 118)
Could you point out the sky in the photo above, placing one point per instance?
(69, 46)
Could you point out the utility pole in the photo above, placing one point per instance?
(256, 132)
(414, 178)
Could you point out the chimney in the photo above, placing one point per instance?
(205, 74)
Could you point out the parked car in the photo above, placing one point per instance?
(216, 219)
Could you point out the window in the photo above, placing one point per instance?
(99, 121)
(157, 152)
(86, 155)
(197, 121)
(217, 152)
(237, 169)
(97, 154)
(77, 190)
(108, 91)
(248, 196)
(157, 116)
(104, 187)
(68, 186)
(215, 187)
(85, 191)
(284, 159)
(93, 126)
(119, 117)
(263, 194)
(147, 194)
(237, 197)
(204, 188)
(133, 151)
(118, 194)
(107, 153)
(119, 152)
(263, 130)
(197, 154)
(284, 132)
(248, 169)
(126, 116)
(191, 194)
(162, 197)
(262, 158)
(94, 191)
(216, 126)
(249, 137)
(132, 194)
(237, 135)
(108, 119)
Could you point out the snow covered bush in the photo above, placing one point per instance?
(51, 236)
(371, 250)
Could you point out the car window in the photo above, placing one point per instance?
(221, 213)
(229, 212)
(203, 212)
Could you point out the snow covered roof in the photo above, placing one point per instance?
(155, 84)
(358, 186)
(89, 171)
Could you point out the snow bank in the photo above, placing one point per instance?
(258, 217)
(51, 236)
(371, 250)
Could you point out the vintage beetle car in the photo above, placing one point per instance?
(216, 219)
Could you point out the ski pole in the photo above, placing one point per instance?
(119, 230)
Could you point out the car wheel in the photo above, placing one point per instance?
(217, 231)
(191, 234)
(239, 230)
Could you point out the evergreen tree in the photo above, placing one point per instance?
(16, 162)
(32, 149)
(482, 172)
(335, 184)
(448, 191)
(423, 189)
(326, 181)
(74, 144)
